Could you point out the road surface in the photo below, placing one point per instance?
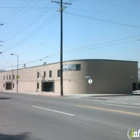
(30, 117)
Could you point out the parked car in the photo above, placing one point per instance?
(136, 92)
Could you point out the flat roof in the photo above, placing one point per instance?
(73, 61)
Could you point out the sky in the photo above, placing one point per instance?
(92, 29)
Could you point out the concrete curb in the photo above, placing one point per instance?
(49, 95)
(68, 95)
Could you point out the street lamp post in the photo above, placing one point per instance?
(1, 41)
(17, 77)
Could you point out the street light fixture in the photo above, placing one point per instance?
(17, 77)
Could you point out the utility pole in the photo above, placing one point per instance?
(61, 41)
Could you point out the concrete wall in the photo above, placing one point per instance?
(113, 76)
(109, 76)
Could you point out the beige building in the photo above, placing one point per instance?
(108, 76)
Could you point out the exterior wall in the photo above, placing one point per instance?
(139, 74)
(109, 76)
(112, 76)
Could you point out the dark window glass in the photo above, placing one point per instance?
(3, 84)
(13, 85)
(13, 77)
(72, 67)
(37, 74)
(9, 77)
(44, 73)
(3, 77)
(50, 73)
(37, 85)
(58, 73)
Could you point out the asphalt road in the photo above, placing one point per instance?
(29, 117)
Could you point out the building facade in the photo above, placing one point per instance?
(108, 76)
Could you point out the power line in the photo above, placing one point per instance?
(20, 14)
(34, 19)
(29, 8)
(5, 59)
(91, 46)
(15, 11)
(119, 5)
(103, 20)
(95, 46)
(37, 18)
(103, 12)
(33, 33)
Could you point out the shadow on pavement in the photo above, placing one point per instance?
(22, 136)
(115, 95)
(5, 98)
(111, 95)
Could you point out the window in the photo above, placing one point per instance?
(44, 73)
(37, 74)
(72, 67)
(58, 73)
(3, 77)
(13, 85)
(37, 85)
(50, 73)
(13, 77)
(9, 77)
(3, 84)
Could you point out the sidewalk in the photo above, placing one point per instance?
(115, 98)
(67, 95)
(76, 96)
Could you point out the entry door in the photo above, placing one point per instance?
(48, 86)
(8, 86)
(139, 86)
(134, 86)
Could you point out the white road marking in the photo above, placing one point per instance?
(121, 105)
(53, 111)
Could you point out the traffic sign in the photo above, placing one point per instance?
(17, 77)
(90, 81)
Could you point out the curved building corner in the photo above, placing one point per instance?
(108, 77)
